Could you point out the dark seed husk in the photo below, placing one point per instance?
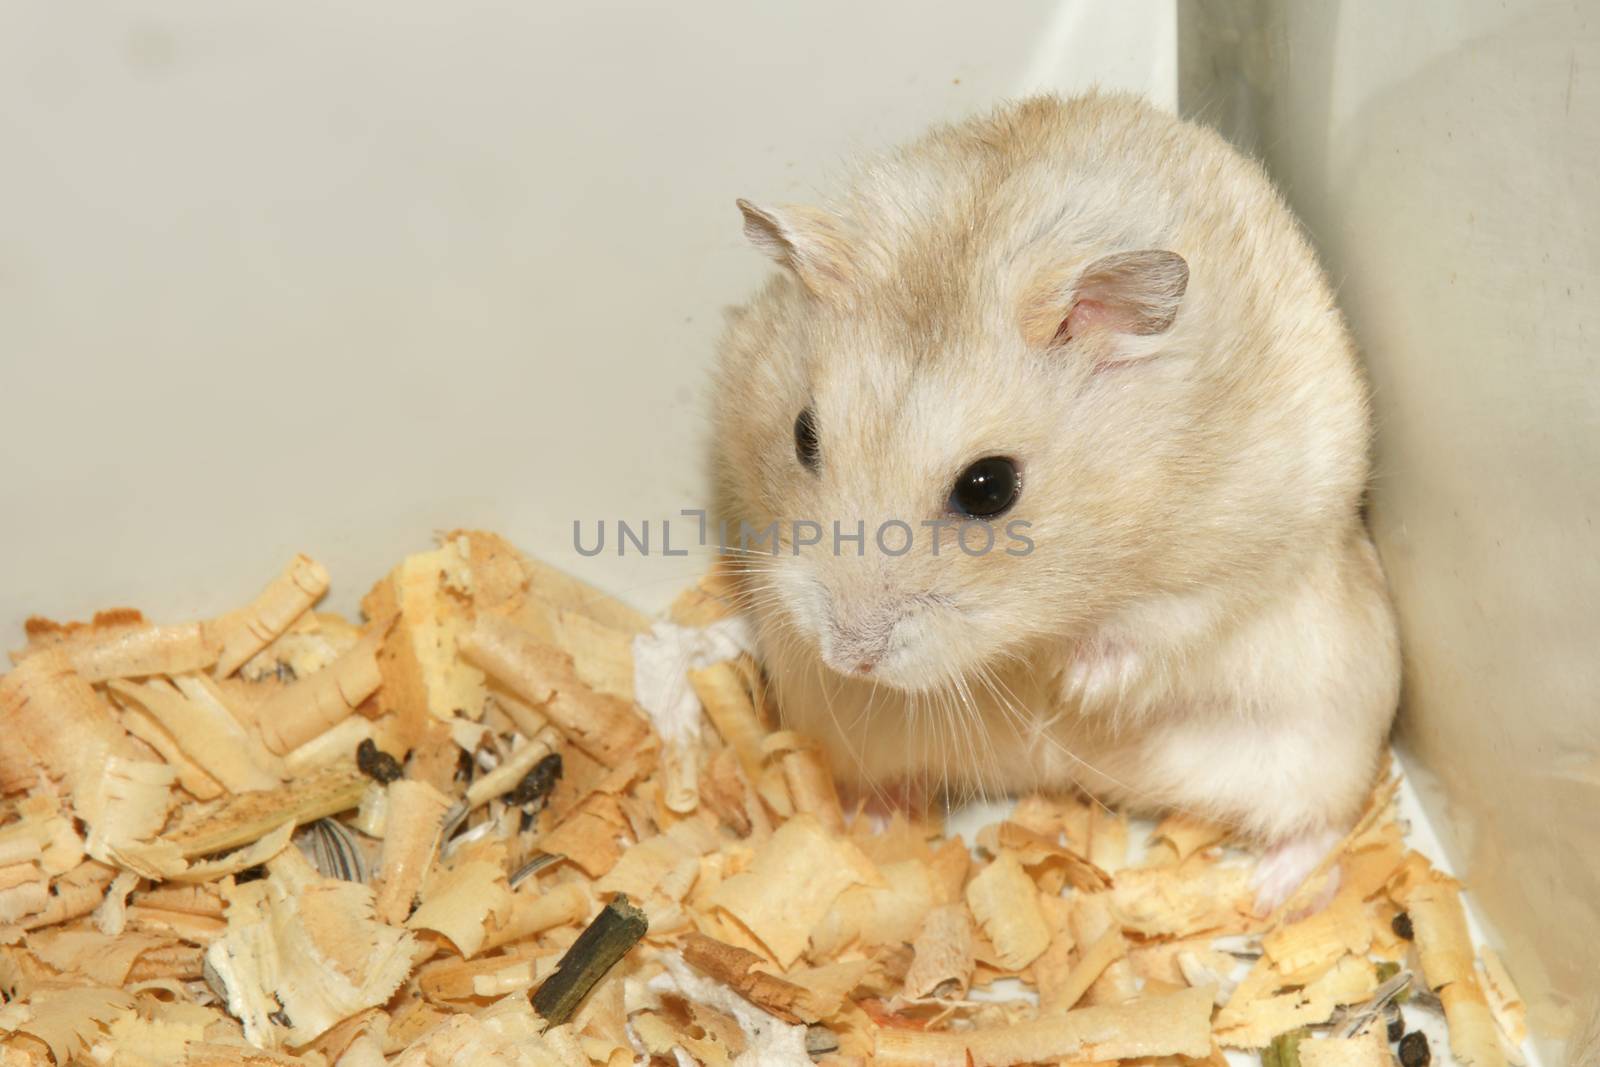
(539, 780)
(1414, 1050)
(1396, 1022)
(1401, 925)
(376, 763)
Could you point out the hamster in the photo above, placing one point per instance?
(1095, 333)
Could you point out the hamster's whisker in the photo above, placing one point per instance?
(973, 723)
(853, 750)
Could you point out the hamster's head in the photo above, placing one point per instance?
(939, 442)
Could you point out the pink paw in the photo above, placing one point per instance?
(1285, 868)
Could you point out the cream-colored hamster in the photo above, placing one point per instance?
(1063, 442)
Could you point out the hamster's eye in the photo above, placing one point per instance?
(806, 448)
(987, 488)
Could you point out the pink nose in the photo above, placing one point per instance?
(852, 653)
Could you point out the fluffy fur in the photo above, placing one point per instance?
(1202, 623)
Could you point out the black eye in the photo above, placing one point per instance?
(986, 488)
(806, 448)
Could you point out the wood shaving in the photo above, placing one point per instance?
(247, 631)
(1005, 903)
(1174, 1025)
(603, 725)
(113, 648)
(791, 884)
(411, 829)
(1510, 1014)
(942, 952)
(162, 786)
(314, 704)
(1366, 1049)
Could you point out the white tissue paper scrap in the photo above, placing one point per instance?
(770, 1042)
(662, 660)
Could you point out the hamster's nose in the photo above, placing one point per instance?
(853, 653)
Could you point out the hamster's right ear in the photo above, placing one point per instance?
(808, 241)
(1127, 299)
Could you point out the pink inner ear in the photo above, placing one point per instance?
(1085, 315)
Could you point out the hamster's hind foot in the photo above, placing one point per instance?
(1286, 866)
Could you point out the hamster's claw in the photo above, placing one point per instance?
(1287, 865)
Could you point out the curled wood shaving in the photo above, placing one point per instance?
(102, 652)
(1181, 903)
(1366, 1049)
(805, 773)
(1179, 836)
(463, 899)
(942, 952)
(1105, 950)
(1006, 904)
(423, 677)
(644, 867)
(1474, 1037)
(1440, 923)
(591, 836)
(511, 771)
(411, 829)
(1316, 941)
(602, 725)
(726, 697)
(1173, 1025)
(246, 632)
(1510, 1014)
(55, 723)
(301, 952)
(75, 893)
(532, 912)
(300, 712)
(206, 734)
(1257, 1012)
(1034, 849)
(70, 1020)
(332, 746)
(867, 916)
(739, 970)
(791, 883)
(127, 805)
(1092, 920)
(42, 835)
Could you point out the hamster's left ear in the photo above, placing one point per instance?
(1124, 299)
(809, 241)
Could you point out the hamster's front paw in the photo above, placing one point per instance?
(1287, 865)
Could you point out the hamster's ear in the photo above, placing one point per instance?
(808, 241)
(1119, 298)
